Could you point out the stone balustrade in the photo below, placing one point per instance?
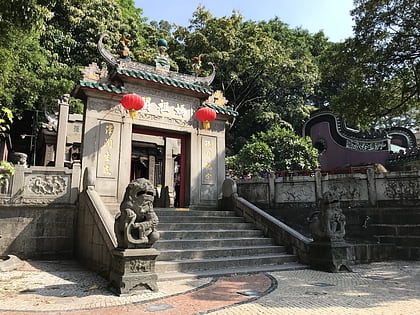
(369, 189)
(42, 185)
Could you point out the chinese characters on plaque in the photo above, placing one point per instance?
(108, 144)
(163, 107)
(208, 160)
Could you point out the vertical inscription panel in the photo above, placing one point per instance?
(109, 149)
(208, 168)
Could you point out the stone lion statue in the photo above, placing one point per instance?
(135, 224)
(329, 223)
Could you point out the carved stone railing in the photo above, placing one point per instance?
(370, 189)
(40, 185)
(95, 237)
(295, 242)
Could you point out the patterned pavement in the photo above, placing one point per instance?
(64, 287)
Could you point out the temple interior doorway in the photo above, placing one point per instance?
(160, 158)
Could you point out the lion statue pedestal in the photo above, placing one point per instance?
(135, 225)
(329, 251)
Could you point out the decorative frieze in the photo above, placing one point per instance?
(47, 185)
(366, 146)
(397, 189)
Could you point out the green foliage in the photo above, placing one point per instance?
(6, 118)
(7, 169)
(274, 150)
(378, 74)
(72, 33)
(254, 157)
(291, 152)
(266, 70)
(44, 42)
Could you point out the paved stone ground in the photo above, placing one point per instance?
(63, 287)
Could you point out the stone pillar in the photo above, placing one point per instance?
(62, 132)
(152, 164)
(330, 256)
(133, 271)
(169, 169)
(75, 180)
(371, 186)
(318, 185)
(272, 189)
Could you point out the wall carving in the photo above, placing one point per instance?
(402, 189)
(163, 119)
(101, 105)
(366, 146)
(297, 193)
(47, 185)
(139, 265)
(345, 189)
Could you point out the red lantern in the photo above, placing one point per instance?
(206, 115)
(133, 103)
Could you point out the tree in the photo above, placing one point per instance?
(277, 149)
(265, 70)
(381, 63)
(73, 31)
(254, 157)
(22, 59)
(44, 42)
(6, 119)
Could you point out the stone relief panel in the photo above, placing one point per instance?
(296, 192)
(398, 189)
(256, 193)
(100, 106)
(47, 185)
(139, 265)
(350, 189)
(45, 189)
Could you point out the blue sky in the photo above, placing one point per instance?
(331, 16)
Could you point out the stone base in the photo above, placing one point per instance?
(133, 271)
(330, 256)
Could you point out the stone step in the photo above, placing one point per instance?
(219, 252)
(397, 217)
(187, 265)
(204, 226)
(208, 234)
(162, 244)
(199, 219)
(399, 240)
(197, 213)
(169, 276)
(395, 229)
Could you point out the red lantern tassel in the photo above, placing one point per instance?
(133, 114)
(206, 125)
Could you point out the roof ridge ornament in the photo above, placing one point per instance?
(109, 58)
(129, 65)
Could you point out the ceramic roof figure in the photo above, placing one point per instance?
(162, 60)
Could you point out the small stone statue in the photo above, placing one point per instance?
(329, 223)
(135, 224)
(162, 60)
(124, 51)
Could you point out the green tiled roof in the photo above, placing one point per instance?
(162, 80)
(103, 87)
(222, 110)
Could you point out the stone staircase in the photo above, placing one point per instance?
(208, 243)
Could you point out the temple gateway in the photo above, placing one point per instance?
(163, 141)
